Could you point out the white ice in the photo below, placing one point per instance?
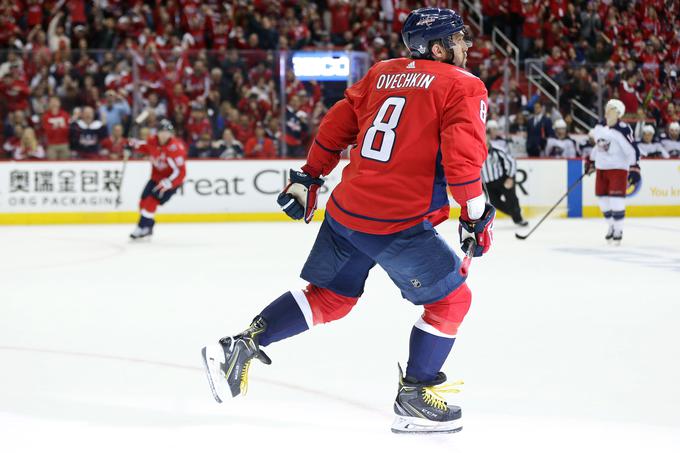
(571, 345)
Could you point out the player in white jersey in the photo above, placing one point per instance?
(648, 146)
(615, 157)
(496, 140)
(561, 145)
(671, 142)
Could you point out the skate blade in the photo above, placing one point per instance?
(212, 371)
(414, 425)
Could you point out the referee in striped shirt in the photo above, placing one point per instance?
(498, 175)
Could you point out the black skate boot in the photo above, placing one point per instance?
(227, 361)
(420, 408)
(610, 234)
(520, 222)
(141, 233)
(617, 237)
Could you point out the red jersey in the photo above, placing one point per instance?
(532, 21)
(340, 17)
(168, 161)
(628, 95)
(55, 127)
(197, 85)
(34, 14)
(77, 10)
(260, 149)
(114, 149)
(196, 128)
(16, 94)
(418, 126)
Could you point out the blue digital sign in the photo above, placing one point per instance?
(321, 66)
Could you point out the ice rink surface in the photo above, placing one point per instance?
(571, 345)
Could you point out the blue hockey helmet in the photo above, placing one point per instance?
(425, 25)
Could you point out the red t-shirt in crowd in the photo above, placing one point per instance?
(180, 102)
(260, 148)
(113, 149)
(197, 85)
(650, 62)
(532, 23)
(558, 8)
(34, 14)
(340, 13)
(77, 10)
(491, 7)
(242, 133)
(629, 97)
(196, 128)
(400, 16)
(555, 65)
(55, 127)
(514, 6)
(16, 93)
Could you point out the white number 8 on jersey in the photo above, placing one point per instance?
(385, 122)
(482, 111)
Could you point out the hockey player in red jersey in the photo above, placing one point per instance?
(417, 126)
(168, 155)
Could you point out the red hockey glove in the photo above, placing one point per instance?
(481, 230)
(298, 200)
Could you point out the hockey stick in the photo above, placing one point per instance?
(576, 183)
(119, 201)
(133, 132)
(465, 267)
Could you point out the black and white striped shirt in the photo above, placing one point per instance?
(499, 164)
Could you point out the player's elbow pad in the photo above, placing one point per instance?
(475, 207)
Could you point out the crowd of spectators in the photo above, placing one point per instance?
(74, 73)
(624, 49)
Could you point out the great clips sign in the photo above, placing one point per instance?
(213, 186)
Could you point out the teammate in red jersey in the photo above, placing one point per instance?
(417, 126)
(168, 155)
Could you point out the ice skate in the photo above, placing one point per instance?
(420, 408)
(227, 361)
(521, 223)
(617, 237)
(141, 232)
(610, 234)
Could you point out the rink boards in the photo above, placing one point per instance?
(245, 190)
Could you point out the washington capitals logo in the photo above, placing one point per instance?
(427, 20)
